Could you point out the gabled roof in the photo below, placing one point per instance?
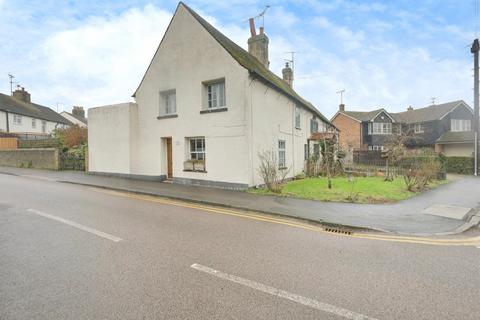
(456, 137)
(79, 118)
(249, 62)
(364, 115)
(13, 105)
(430, 113)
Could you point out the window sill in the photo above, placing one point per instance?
(282, 168)
(199, 171)
(212, 110)
(298, 128)
(167, 116)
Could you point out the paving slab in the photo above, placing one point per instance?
(451, 212)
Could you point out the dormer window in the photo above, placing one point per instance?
(379, 128)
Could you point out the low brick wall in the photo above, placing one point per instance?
(38, 158)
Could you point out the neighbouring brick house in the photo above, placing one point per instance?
(447, 127)
(364, 130)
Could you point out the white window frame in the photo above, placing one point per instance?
(298, 119)
(312, 129)
(216, 94)
(459, 125)
(282, 154)
(168, 102)
(34, 123)
(196, 151)
(418, 128)
(17, 119)
(379, 128)
(44, 126)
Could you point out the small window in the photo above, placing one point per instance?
(168, 102)
(282, 162)
(197, 148)
(419, 128)
(461, 125)
(34, 123)
(297, 118)
(17, 119)
(313, 126)
(216, 95)
(305, 151)
(44, 126)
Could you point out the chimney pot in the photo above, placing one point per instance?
(409, 108)
(341, 107)
(253, 31)
(261, 30)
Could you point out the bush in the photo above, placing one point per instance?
(461, 165)
(272, 175)
(420, 170)
(72, 136)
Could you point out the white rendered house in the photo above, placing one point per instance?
(204, 110)
(20, 116)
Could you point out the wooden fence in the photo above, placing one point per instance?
(7, 143)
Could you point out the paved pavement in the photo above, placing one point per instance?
(406, 217)
(59, 260)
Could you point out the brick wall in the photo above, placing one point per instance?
(350, 131)
(30, 158)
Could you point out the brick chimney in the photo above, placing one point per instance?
(410, 108)
(78, 111)
(21, 94)
(341, 107)
(287, 73)
(258, 44)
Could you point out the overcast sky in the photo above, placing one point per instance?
(384, 54)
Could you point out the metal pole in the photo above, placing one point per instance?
(475, 50)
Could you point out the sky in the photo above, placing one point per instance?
(391, 53)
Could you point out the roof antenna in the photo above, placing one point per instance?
(261, 15)
(292, 60)
(11, 76)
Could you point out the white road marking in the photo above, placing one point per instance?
(76, 225)
(284, 294)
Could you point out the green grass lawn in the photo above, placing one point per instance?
(367, 189)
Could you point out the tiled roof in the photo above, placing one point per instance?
(13, 105)
(454, 136)
(79, 118)
(430, 113)
(363, 115)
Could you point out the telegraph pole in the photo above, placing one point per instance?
(475, 49)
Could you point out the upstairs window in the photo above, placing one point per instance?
(216, 94)
(282, 162)
(34, 123)
(297, 118)
(461, 125)
(17, 119)
(419, 128)
(44, 126)
(168, 102)
(313, 126)
(379, 128)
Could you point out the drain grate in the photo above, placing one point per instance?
(338, 231)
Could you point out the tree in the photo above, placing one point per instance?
(71, 137)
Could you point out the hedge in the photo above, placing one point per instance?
(461, 165)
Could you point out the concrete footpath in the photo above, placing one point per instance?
(449, 209)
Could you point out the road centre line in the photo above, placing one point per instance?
(472, 241)
(76, 225)
(322, 306)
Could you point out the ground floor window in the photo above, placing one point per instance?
(305, 151)
(197, 148)
(282, 163)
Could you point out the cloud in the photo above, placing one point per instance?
(103, 60)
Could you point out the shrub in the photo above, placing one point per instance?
(273, 176)
(72, 136)
(420, 170)
(461, 165)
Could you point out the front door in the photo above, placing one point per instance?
(169, 158)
